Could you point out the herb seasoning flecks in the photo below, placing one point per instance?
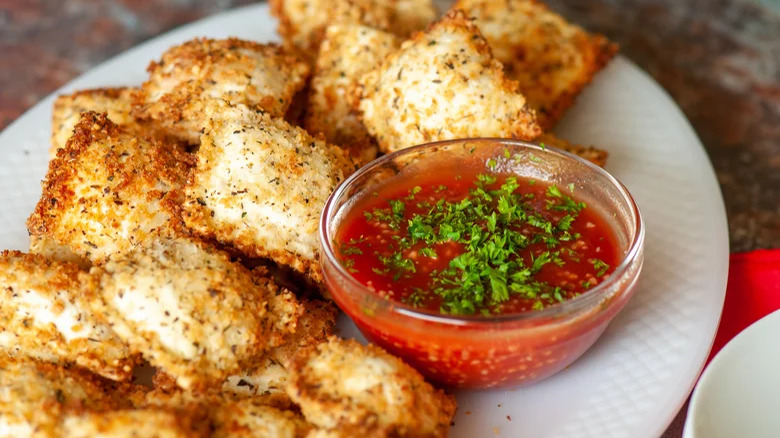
(470, 244)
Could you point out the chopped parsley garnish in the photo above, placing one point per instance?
(600, 267)
(494, 245)
(493, 225)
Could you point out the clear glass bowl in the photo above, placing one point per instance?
(492, 351)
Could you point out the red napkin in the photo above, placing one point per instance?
(753, 292)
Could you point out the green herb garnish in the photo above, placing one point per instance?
(489, 224)
(600, 267)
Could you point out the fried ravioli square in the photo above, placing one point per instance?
(36, 396)
(341, 384)
(302, 23)
(347, 52)
(45, 315)
(149, 422)
(249, 418)
(443, 84)
(260, 185)
(188, 76)
(66, 113)
(551, 59)
(106, 190)
(191, 311)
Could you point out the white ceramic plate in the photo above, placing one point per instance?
(739, 393)
(636, 377)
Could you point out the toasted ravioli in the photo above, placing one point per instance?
(54, 250)
(551, 59)
(264, 381)
(35, 396)
(347, 52)
(44, 315)
(247, 418)
(151, 422)
(66, 113)
(341, 384)
(316, 324)
(260, 185)
(302, 23)
(267, 378)
(231, 416)
(105, 191)
(590, 153)
(188, 309)
(443, 84)
(261, 76)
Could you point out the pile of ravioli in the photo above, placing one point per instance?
(177, 227)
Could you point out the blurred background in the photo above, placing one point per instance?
(719, 60)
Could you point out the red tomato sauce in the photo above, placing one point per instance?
(375, 242)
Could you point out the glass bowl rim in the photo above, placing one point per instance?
(584, 301)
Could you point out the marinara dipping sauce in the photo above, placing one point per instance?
(482, 262)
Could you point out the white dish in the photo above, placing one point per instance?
(739, 392)
(636, 377)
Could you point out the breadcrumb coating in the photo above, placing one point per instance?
(36, 396)
(302, 23)
(247, 418)
(267, 377)
(347, 52)
(44, 315)
(105, 191)
(443, 84)
(189, 310)
(264, 381)
(551, 59)
(152, 422)
(54, 250)
(188, 76)
(246, 414)
(343, 384)
(66, 113)
(316, 324)
(260, 185)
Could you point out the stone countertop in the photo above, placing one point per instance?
(719, 60)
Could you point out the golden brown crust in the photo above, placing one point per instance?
(552, 59)
(116, 102)
(267, 377)
(342, 384)
(190, 310)
(260, 185)
(316, 324)
(302, 23)
(347, 52)
(102, 193)
(67, 109)
(248, 418)
(264, 382)
(149, 422)
(443, 84)
(180, 85)
(53, 250)
(45, 315)
(590, 153)
(36, 396)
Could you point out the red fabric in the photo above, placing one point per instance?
(753, 292)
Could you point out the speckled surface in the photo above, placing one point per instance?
(719, 59)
